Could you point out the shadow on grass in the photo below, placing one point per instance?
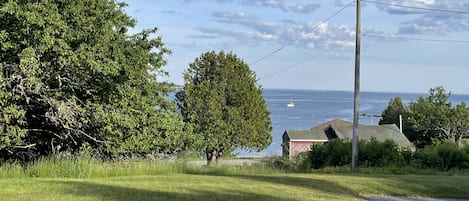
(120, 193)
(328, 187)
(456, 187)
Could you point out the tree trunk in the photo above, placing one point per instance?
(210, 154)
(220, 155)
(460, 140)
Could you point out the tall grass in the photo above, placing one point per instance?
(11, 170)
(83, 166)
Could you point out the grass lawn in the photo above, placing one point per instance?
(256, 187)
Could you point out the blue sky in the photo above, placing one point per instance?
(253, 28)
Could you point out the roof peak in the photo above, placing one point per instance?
(334, 122)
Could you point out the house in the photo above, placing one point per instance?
(296, 141)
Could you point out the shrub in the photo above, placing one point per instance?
(379, 154)
(280, 163)
(317, 156)
(443, 156)
(301, 163)
(372, 153)
(337, 152)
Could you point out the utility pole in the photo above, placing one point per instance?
(356, 100)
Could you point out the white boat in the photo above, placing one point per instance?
(290, 104)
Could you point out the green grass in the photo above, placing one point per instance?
(58, 178)
(233, 187)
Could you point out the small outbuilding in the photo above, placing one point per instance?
(297, 141)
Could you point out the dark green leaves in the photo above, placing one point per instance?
(223, 102)
(72, 75)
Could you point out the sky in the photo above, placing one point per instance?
(315, 40)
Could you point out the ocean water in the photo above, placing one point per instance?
(314, 107)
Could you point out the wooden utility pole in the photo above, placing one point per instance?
(356, 100)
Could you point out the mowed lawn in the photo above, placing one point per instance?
(255, 187)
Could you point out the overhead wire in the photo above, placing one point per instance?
(414, 39)
(364, 35)
(303, 61)
(416, 7)
(301, 36)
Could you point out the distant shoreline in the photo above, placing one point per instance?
(381, 92)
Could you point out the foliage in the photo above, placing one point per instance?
(443, 156)
(337, 152)
(391, 114)
(224, 104)
(300, 163)
(433, 117)
(430, 119)
(378, 154)
(372, 153)
(71, 74)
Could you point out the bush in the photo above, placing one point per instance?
(379, 154)
(337, 152)
(317, 156)
(373, 153)
(300, 163)
(443, 156)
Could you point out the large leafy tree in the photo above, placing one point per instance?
(430, 118)
(223, 102)
(72, 75)
(433, 117)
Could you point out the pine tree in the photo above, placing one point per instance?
(224, 104)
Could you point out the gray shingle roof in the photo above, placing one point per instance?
(333, 123)
(343, 129)
(381, 133)
(306, 135)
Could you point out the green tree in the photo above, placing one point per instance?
(72, 75)
(223, 102)
(391, 114)
(433, 117)
(460, 122)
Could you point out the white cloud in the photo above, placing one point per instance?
(305, 8)
(252, 30)
(323, 28)
(430, 21)
(402, 6)
(266, 36)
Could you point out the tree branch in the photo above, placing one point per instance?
(25, 146)
(47, 131)
(86, 135)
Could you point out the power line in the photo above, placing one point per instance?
(301, 36)
(417, 8)
(414, 39)
(303, 61)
